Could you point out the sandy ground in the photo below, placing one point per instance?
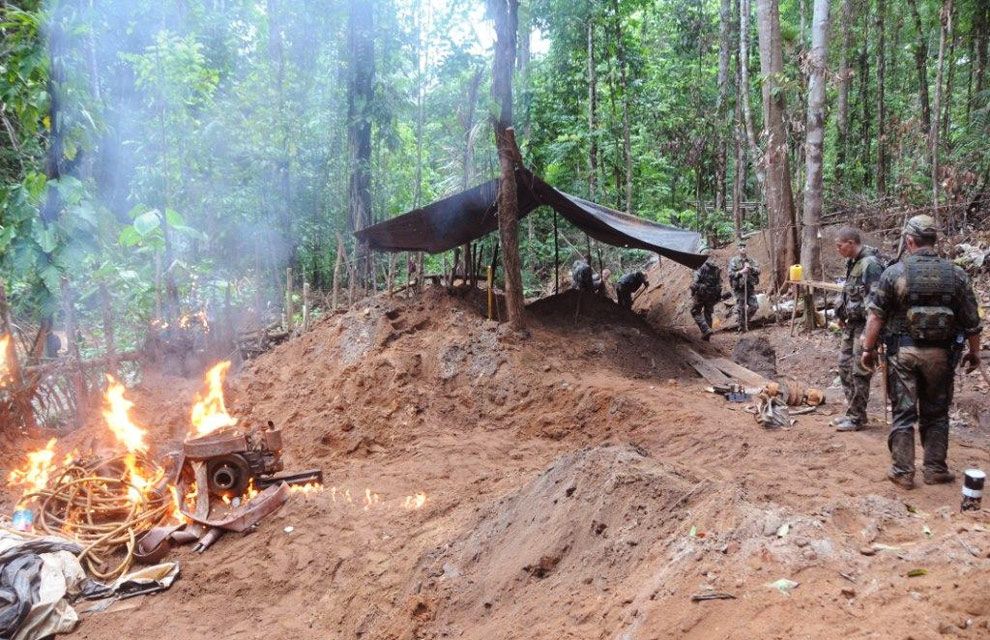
(580, 483)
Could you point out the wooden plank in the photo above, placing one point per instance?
(747, 377)
(704, 368)
(817, 284)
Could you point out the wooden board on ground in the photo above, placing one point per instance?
(747, 377)
(705, 369)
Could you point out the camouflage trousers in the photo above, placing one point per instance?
(741, 309)
(702, 311)
(855, 377)
(920, 383)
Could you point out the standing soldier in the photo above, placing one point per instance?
(744, 275)
(706, 291)
(628, 285)
(928, 309)
(863, 270)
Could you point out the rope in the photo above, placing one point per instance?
(92, 504)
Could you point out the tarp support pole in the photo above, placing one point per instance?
(556, 257)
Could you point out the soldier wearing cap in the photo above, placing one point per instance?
(863, 270)
(744, 275)
(928, 309)
(706, 291)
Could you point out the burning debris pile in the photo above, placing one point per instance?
(125, 506)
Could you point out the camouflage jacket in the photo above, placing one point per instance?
(736, 265)
(862, 274)
(890, 298)
(707, 283)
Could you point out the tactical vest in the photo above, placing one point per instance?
(853, 307)
(930, 292)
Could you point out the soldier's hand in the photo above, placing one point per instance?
(869, 359)
(971, 361)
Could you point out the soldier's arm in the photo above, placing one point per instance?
(871, 275)
(969, 319)
(877, 307)
(754, 267)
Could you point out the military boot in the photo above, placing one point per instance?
(936, 445)
(901, 472)
(845, 423)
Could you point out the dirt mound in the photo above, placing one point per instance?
(591, 520)
(578, 483)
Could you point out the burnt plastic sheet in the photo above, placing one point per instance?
(472, 214)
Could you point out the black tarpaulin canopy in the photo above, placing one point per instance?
(470, 215)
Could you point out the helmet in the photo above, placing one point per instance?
(922, 226)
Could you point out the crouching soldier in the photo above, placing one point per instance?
(628, 285)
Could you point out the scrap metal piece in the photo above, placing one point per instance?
(247, 515)
(218, 443)
(309, 476)
(208, 539)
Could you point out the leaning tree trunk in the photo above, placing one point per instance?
(812, 212)
(506, 24)
(360, 92)
(780, 198)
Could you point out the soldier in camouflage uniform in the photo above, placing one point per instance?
(706, 292)
(863, 270)
(628, 285)
(582, 276)
(744, 275)
(928, 309)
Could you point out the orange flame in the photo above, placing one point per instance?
(34, 476)
(4, 356)
(209, 413)
(116, 413)
(130, 435)
(415, 502)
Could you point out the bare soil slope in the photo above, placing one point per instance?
(565, 473)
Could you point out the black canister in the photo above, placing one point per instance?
(972, 490)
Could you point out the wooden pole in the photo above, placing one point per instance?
(108, 335)
(556, 257)
(78, 380)
(305, 318)
(288, 299)
(336, 272)
(491, 292)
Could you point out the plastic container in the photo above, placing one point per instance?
(972, 490)
(23, 519)
(796, 273)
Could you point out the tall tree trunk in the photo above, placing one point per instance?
(620, 50)
(812, 212)
(592, 112)
(945, 18)
(360, 93)
(506, 24)
(921, 65)
(981, 35)
(950, 65)
(280, 129)
(842, 109)
(881, 101)
(723, 126)
(864, 99)
(780, 198)
(755, 155)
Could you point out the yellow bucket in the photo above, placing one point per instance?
(796, 273)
